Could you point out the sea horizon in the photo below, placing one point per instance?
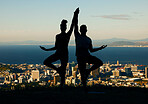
(32, 54)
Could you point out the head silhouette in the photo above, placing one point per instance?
(83, 29)
(63, 25)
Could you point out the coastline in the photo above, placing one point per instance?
(71, 45)
(127, 46)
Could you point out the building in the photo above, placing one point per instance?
(146, 72)
(133, 68)
(2, 79)
(73, 64)
(35, 75)
(95, 73)
(48, 72)
(20, 79)
(74, 74)
(128, 71)
(118, 63)
(56, 79)
(116, 72)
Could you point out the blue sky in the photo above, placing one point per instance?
(39, 20)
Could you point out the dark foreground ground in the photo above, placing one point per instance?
(76, 95)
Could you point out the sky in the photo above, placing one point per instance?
(22, 20)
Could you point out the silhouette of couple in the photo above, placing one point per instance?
(83, 46)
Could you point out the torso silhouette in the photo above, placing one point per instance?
(82, 45)
(61, 44)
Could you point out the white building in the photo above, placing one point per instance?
(30, 80)
(133, 68)
(20, 79)
(146, 72)
(116, 72)
(35, 75)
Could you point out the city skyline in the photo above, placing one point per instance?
(39, 20)
(117, 74)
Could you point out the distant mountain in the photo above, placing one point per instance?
(121, 43)
(143, 43)
(29, 42)
(109, 42)
(142, 40)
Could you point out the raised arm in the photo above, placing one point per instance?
(91, 49)
(72, 24)
(76, 22)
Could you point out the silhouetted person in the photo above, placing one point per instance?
(83, 46)
(61, 47)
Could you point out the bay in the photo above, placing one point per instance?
(32, 54)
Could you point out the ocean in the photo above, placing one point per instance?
(32, 54)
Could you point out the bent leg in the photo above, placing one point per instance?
(48, 62)
(95, 61)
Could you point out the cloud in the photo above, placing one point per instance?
(115, 17)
